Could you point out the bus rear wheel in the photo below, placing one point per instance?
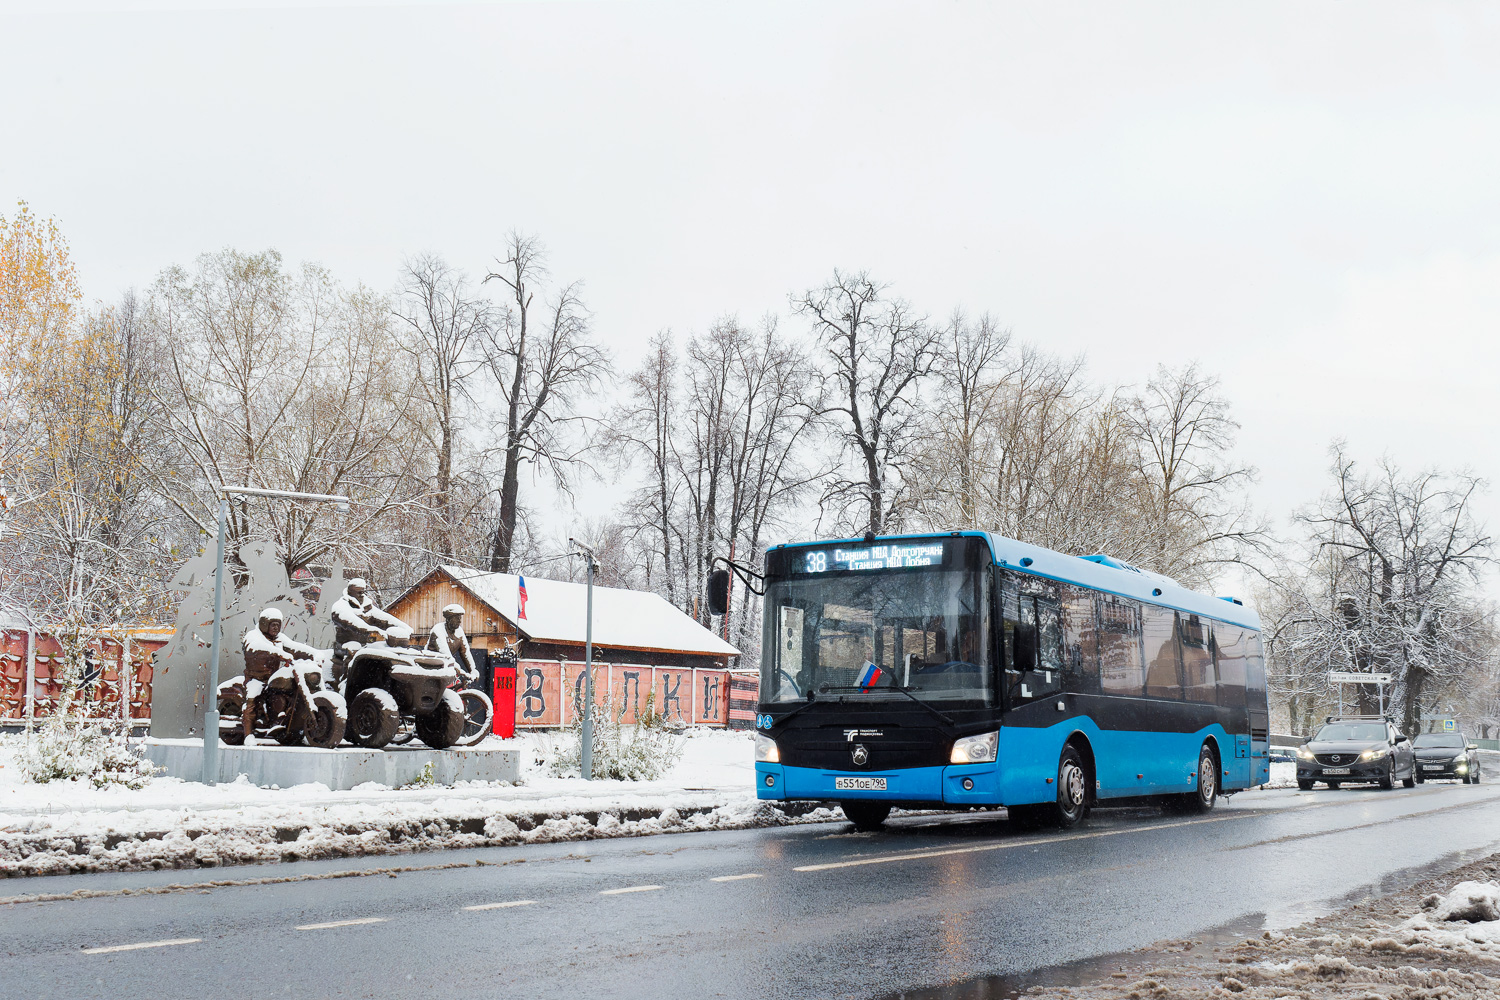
(866, 815)
(1203, 798)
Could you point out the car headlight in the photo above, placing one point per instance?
(1462, 766)
(1375, 753)
(1305, 754)
(975, 749)
(765, 750)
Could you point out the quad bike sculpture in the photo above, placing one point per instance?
(389, 685)
(281, 695)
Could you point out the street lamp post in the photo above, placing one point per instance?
(586, 751)
(211, 710)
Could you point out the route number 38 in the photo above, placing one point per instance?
(817, 562)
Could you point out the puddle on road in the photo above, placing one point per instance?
(1093, 970)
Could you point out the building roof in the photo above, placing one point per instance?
(555, 612)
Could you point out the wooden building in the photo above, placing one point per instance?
(643, 646)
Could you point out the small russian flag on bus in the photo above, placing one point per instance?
(869, 676)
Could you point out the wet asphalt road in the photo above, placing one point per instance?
(828, 913)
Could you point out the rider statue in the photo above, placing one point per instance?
(448, 635)
(356, 620)
(266, 650)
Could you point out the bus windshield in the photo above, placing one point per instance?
(865, 635)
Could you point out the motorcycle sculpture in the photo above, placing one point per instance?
(293, 708)
(387, 684)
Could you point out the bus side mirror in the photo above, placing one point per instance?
(718, 591)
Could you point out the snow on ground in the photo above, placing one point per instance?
(1283, 775)
(65, 827)
(1436, 940)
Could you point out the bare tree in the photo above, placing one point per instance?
(1183, 434)
(285, 382)
(876, 354)
(1398, 592)
(541, 373)
(443, 326)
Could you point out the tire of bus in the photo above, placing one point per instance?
(1205, 796)
(1072, 804)
(866, 815)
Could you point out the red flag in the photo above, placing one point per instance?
(521, 602)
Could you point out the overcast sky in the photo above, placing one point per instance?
(1305, 197)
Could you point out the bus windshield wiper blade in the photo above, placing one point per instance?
(894, 687)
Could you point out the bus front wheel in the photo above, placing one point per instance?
(1072, 789)
(866, 815)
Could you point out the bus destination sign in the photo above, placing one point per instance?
(893, 555)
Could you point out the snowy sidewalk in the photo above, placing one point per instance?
(57, 828)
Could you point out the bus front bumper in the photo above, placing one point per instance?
(935, 786)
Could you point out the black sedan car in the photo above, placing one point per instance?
(1346, 751)
(1447, 755)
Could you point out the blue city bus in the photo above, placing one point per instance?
(966, 670)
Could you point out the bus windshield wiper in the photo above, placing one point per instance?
(894, 687)
(800, 708)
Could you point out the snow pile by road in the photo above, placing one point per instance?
(63, 827)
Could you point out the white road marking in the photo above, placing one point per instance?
(142, 944)
(1002, 845)
(501, 906)
(734, 878)
(341, 923)
(633, 888)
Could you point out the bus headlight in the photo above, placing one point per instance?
(975, 749)
(765, 750)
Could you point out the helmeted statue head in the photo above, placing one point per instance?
(270, 623)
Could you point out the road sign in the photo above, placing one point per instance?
(1350, 677)
(1449, 725)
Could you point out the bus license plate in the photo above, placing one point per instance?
(1335, 770)
(859, 784)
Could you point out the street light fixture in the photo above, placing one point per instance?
(586, 750)
(211, 710)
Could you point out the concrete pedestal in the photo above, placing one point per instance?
(339, 769)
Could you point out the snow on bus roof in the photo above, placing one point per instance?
(555, 612)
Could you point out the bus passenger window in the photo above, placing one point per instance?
(1120, 647)
(1159, 631)
(1196, 637)
(1080, 642)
